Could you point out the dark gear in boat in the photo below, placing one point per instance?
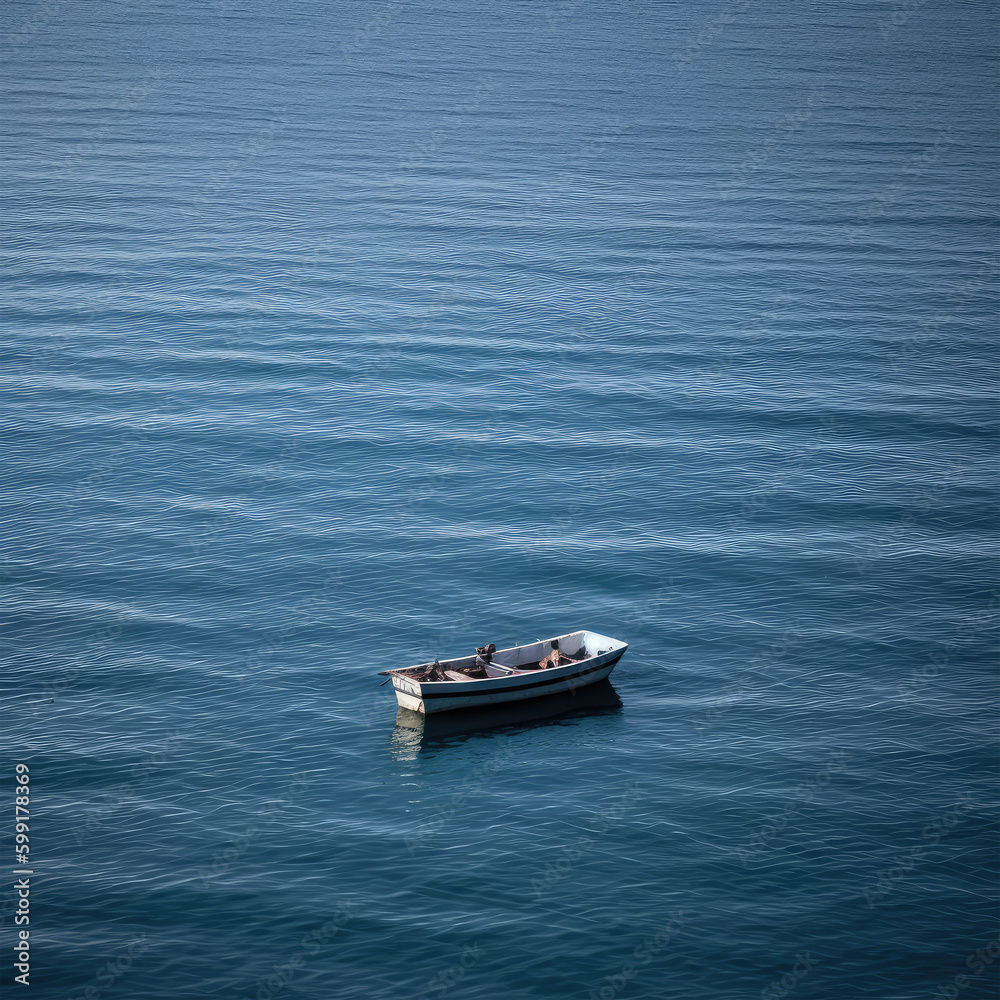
(432, 671)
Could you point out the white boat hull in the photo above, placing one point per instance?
(603, 653)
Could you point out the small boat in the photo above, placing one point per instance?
(497, 676)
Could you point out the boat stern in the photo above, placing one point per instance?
(408, 694)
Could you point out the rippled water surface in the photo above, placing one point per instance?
(342, 336)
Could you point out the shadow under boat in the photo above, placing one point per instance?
(595, 699)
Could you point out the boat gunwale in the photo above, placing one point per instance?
(517, 679)
(457, 689)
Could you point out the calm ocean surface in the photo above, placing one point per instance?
(340, 336)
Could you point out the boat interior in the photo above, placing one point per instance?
(575, 646)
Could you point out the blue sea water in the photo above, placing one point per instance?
(343, 336)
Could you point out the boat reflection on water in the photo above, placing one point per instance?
(415, 730)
